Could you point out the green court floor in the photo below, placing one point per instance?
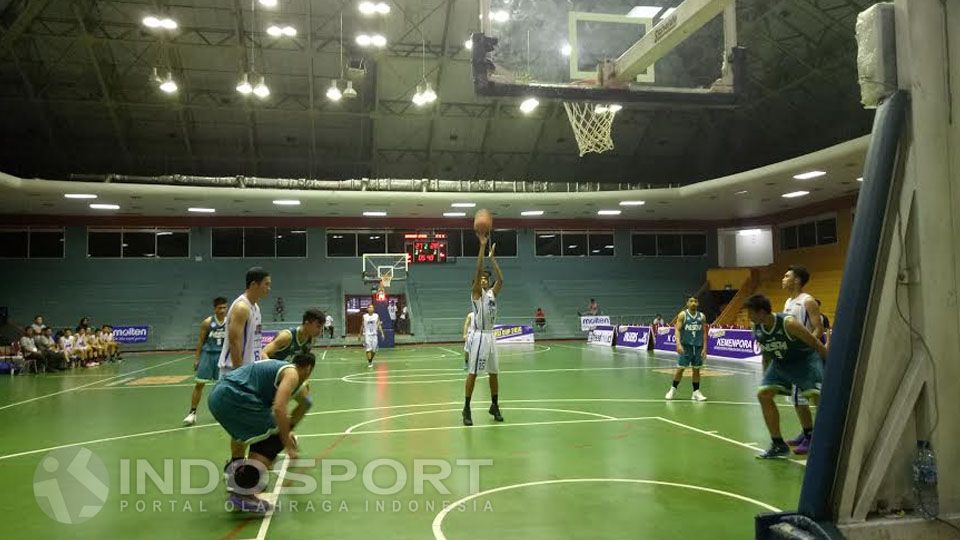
(589, 449)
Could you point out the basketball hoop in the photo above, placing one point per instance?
(385, 281)
(592, 124)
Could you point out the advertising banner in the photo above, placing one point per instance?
(590, 321)
(510, 333)
(601, 335)
(633, 337)
(131, 334)
(736, 344)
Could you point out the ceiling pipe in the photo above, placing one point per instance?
(363, 184)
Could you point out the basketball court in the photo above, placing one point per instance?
(587, 432)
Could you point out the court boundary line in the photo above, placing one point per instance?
(81, 387)
(716, 435)
(437, 524)
(351, 430)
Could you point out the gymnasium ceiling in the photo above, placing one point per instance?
(76, 96)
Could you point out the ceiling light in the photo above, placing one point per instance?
(595, 251)
(79, 196)
(546, 236)
(468, 44)
(809, 175)
(566, 49)
(499, 16)
(164, 233)
(289, 31)
(97, 206)
(363, 40)
(274, 31)
(298, 232)
(151, 22)
(168, 86)
(632, 203)
(287, 202)
(454, 214)
(383, 8)
(529, 105)
(608, 246)
(333, 93)
(615, 108)
(168, 24)
(261, 90)
(429, 96)
(795, 194)
(572, 246)
(464, 205)
(749, 232)
(860, 179)
(244, 86)
(644, 12)
(601, 109)
(375, 214)
(349, 91)
(367, 8)
(202, 210)
(268, 3)
(378, 41)
(608, 212)
(741, 192)
(418, 99)
(532, 213)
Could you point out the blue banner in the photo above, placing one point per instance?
(738, 344)
(131, 334)
(513, 333)
(633, 337)
(601, 335)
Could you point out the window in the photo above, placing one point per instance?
(819, 231)
(669, 244)
(341, 244)
(694, 245)
(548, 244)
(104, 243)
(371, 242)
(506, 241)
(644, 245)
(396, 243)
(471, 244)
(259, 242)
(601, 244)
(13, 244)
(173, 243)
(46, 243)
(227, 242)
(454, 242)
(139, 243)
(291, 242)
(574, 244)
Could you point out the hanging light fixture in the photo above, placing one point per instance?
(425, 94)
(261, 90)
(244, 86)
(333, 93)
(349, 91)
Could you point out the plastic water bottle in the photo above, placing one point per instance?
(925, 480)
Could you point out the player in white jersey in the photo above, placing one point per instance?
(467, 336)
(369, 329)
(805, 309)
(482, 354)
(244, 327)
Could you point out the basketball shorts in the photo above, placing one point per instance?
(370, 343)
(482, 353)
(692, 357)
(207, 370)
(466, 344)
(241, 414)
(806, 376)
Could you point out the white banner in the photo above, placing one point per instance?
(601, 335)
(589, 322)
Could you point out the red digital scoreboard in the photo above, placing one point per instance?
(426, 248)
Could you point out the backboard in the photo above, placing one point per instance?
(616, 51)
(384, 267)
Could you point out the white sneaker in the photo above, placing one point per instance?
(671, 393)
(697, 396)
(369, 365)
(190, 420)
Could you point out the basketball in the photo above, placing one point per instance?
(483, 222)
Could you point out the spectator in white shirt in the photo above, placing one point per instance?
(38, 325)
(328, 325)
(53, 355)
(28, 347)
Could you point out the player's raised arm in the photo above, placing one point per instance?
(279, 343)
(477, 290)
(204, 330)
(798, 331)
(236, 333)
(496, 270)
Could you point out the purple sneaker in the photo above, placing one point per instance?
(798, 440)
(249, 504)
(803, 448)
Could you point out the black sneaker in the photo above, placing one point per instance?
(467, 418)
(776, 451)
(495, 411)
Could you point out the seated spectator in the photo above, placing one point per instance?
(84, 349)
(38, 325)
(84, 323)
(540, 318)
(68, 346)
(93, 341)
(53, 355)
(658, 320)
(111, 347)
(29, 350)
(593, 308)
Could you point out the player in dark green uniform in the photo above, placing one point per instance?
(299, 339)
(691, 335)
(252, 404)
(794, 355)
(213, 332)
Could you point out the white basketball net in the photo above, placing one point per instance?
(591, 123)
